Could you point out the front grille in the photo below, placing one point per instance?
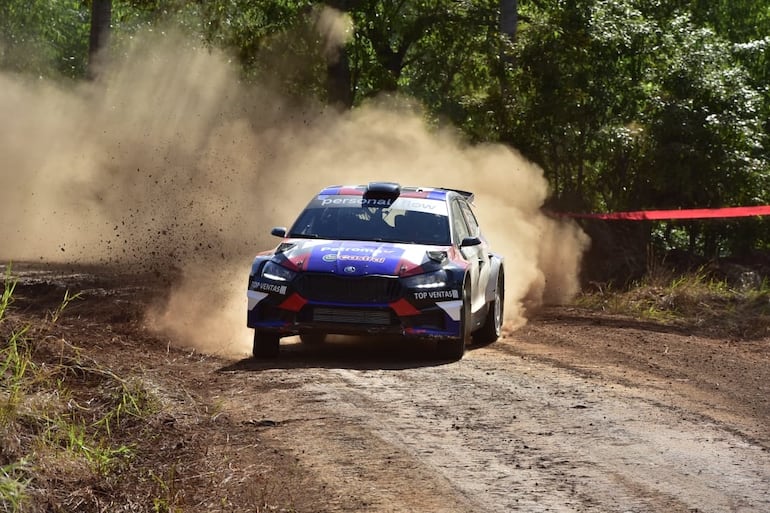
(434, 319)
(352, 316)
(341, 289)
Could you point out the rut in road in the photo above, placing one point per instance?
(498, 432)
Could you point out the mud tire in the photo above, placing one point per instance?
(454, 348)
(492, 328)
(312, 339)
(266, 345)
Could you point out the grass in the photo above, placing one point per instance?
(59, 415)
(13, 484)
(700, 301)
(86, 427)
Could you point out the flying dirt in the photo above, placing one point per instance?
(170, 167)
(171, 163)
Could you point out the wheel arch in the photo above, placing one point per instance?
(496, 269)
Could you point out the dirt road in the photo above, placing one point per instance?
(501, 431)
(576, 411)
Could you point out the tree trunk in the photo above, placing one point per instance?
(508, 21)
(101, 17)
(509, 14)
(338, 81)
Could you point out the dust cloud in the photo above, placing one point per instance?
(169, 164)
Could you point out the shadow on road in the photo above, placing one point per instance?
(338, 352)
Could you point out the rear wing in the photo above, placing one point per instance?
(465, 194)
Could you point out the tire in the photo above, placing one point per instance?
(312, 339)
(265, 344)
(454, 348)
(492, 328)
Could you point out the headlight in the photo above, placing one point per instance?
(434, 280)
(275, 272)
(437, 256)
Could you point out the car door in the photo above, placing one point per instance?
(481, 254)
(471, 254)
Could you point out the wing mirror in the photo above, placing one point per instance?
(278, 231)
(470, 241)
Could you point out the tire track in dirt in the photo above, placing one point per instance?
(498, 432)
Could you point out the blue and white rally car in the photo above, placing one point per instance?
(379, 259)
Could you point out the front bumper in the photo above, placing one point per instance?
(412, 314)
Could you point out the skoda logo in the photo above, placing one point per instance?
(330, 257)
(350, 269)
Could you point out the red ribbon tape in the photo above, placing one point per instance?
(662, 215)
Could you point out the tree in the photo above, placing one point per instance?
(101, 18)
(44, 38)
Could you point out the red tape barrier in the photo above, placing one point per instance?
(665, 215)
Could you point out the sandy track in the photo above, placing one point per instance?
(499, 432)
(577, 411)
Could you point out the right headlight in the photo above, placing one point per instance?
(275, 272)
(433, 280)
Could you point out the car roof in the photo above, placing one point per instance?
(435, 193)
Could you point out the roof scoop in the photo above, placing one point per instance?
(382, 190)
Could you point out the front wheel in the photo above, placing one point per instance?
(454, 348)
(265, 344)
(493, 324)
(312, 338)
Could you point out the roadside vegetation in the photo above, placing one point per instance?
(68, 426)
(702, 301)
(98, 416)
(625, 104)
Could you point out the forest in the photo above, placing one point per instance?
(626, 105)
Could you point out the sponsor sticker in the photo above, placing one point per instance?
(354, 254)
(361, 258)
(419, 204)
(268, 287)
(351, 249)
(364, 202)
(438, 294)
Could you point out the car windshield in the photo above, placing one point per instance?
(391, 223)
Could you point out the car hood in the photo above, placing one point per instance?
(354, 258)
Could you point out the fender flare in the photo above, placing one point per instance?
(496, 265)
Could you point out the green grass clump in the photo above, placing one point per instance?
(696, 300)
(15, 363)
(13, 485)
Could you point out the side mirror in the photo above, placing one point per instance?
(278, 231)
(470, 241)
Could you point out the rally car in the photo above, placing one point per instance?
(379, 259)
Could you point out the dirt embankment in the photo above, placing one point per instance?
(575, 411)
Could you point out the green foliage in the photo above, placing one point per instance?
(44, 38)
(706, 128)
(633, 111)
(455, 67)
(626, 104)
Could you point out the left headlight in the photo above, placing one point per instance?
(434, 280)
(275, 272)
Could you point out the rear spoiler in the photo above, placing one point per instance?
(466, 194)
